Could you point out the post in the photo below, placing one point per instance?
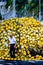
(40, 10)
(14, 11)
(0, 9)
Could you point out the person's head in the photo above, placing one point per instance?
(11, 35)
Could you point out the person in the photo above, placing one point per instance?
(12, 41)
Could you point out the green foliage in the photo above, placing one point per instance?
(42, 3)
(0, 17)
(20, 4)
(32, 5)
(9, 2)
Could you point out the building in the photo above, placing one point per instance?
(7, 13)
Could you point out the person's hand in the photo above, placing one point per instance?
(15, 46)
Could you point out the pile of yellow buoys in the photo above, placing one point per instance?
(29, 35)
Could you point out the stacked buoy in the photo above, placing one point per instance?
(29, 36)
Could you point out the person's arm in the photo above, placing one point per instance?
(15, 45)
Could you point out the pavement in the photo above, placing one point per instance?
(19, 62)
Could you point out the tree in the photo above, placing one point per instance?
(26, 7)
(0, 17)
(33, 6)
(20, 4)
(8, 3)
